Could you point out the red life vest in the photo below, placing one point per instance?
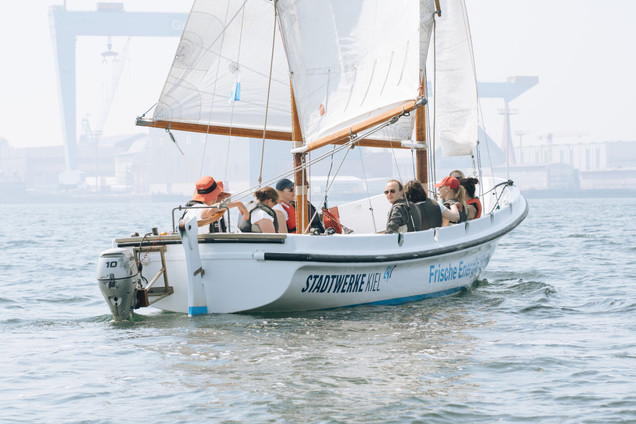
(291, 216)
(477, 204)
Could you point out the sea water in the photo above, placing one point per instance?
(547, 335)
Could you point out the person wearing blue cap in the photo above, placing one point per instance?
(285, 189)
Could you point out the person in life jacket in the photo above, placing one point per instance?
(262, 217)
(285, 190)
(454, 198)
(314, 218)
(474, 204)
(404, 215)
(210, 192)
(432, 212)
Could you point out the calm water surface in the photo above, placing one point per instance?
(548, 335)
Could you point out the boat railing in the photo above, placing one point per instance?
(201, 206)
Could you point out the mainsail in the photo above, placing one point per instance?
(351, 61)
(221, 71)
(456, 120)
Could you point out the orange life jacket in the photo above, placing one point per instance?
(477, 204)
(291, 216)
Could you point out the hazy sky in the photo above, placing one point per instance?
(580, 50)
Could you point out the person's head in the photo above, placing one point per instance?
(457, 174)
(285, 189)
(414, 191)
(208, 190)
(448, 188)
(267, 196)
(393, 191)
(469, 185)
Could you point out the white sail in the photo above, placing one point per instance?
(221, 69)
(353, 60)
(456, 120)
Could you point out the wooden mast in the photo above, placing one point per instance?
(300, 175)
(421, 155)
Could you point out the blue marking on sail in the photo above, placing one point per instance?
(235, 96)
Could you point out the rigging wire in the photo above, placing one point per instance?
(149, 109)
(328, 187)
(174, 140)
(226, 24)
(269, 86)
(320, 158)
(433, 119)
(366, 187)
(236, 86)
(476, 167)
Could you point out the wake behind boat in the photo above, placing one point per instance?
(354, 82)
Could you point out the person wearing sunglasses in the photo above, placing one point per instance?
(285, 189)
(404, 216)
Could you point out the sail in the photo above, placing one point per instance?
(351, 61)
(456, 120)
(220, 74)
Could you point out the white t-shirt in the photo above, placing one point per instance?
(197, 212)
(259, 214)
(280, 207)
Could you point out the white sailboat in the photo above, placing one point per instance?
(317, 73)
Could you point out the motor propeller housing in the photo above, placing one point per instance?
(119, 280)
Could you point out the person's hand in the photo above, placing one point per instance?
(459, 206)
(244, 212)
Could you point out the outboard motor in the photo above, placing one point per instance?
(119, 281)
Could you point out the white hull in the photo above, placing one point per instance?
(261, 272)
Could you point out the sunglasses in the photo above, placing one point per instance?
(288, 190)
(389, 191)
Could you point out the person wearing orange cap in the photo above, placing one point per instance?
(210, 192)
(453, 196)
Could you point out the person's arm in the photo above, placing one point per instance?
(282, 221)
(472, 211)
(451, 214)
(241, 207)
(396, 220)
(266, 225)
(212, 210)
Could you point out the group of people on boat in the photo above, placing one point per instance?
(412, 210)
(274, 209)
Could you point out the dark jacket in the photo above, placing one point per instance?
(431, 214)
(402, 214)
(315, 223)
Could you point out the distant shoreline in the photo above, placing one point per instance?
(53, 198)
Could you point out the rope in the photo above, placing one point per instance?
(174, 140)
(433, 138)
(366, 187)
(218, 65)
(337, 149)
(269, 85)
(238, 57)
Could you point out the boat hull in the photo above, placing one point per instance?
(277, 272)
